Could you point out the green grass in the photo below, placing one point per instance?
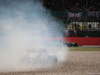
(83, 49)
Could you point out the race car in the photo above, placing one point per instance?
(39, 56)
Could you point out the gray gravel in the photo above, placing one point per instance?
(77, 63)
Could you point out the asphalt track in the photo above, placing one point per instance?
(77, 63)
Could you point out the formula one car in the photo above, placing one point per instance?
(39, 56)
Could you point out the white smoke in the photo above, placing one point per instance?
(24, 31)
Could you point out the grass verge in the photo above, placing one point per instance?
(83, 49)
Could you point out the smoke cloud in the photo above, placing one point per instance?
(24, 31)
